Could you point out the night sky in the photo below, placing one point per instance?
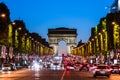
(39, 15)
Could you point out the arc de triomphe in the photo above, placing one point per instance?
(62, 34)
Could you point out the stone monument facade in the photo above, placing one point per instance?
(65, 34)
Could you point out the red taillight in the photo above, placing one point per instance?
(88, 65)
(119, 68)
(81, 65)
(75, 66)
(68, 67)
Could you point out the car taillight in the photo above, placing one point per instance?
(88, 65)
(68, 67)
(119, 68)
(75, 66)
(81, 65)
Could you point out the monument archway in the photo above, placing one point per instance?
(62, 34)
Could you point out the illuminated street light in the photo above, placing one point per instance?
(92, 39)
(95, 37)
(103, 30)
(13, 23)
(3, 15)
(25, 34)
(99, 33)
(19, 28)
(113, 23)
(32, 39)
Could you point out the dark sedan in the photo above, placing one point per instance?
(115, 69)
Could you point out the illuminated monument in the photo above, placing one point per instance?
(115, 6)
(62, 34)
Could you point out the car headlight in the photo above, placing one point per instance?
(9, 68)
(3, 68)
(36, 65)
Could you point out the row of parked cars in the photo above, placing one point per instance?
(96, 69)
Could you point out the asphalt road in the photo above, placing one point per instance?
(45, 74)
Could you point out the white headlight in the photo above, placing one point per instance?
(3, 68)
(36, 65)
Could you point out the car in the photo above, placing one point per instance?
(70, 66)
(102, 70)
(13, 66)
(6, 67)
(115, 69)
(36, 66)
(84, 66)
(93, 66)
(77, 66)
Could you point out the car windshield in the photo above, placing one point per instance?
(101, 67)
(115, 66)
(6, 65)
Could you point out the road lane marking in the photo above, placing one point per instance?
(63, 75)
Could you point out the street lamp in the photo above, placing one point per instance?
(3, 15)
(19, 28)
(13, 23)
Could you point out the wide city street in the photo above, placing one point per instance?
(59, 39)
(47, 74)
